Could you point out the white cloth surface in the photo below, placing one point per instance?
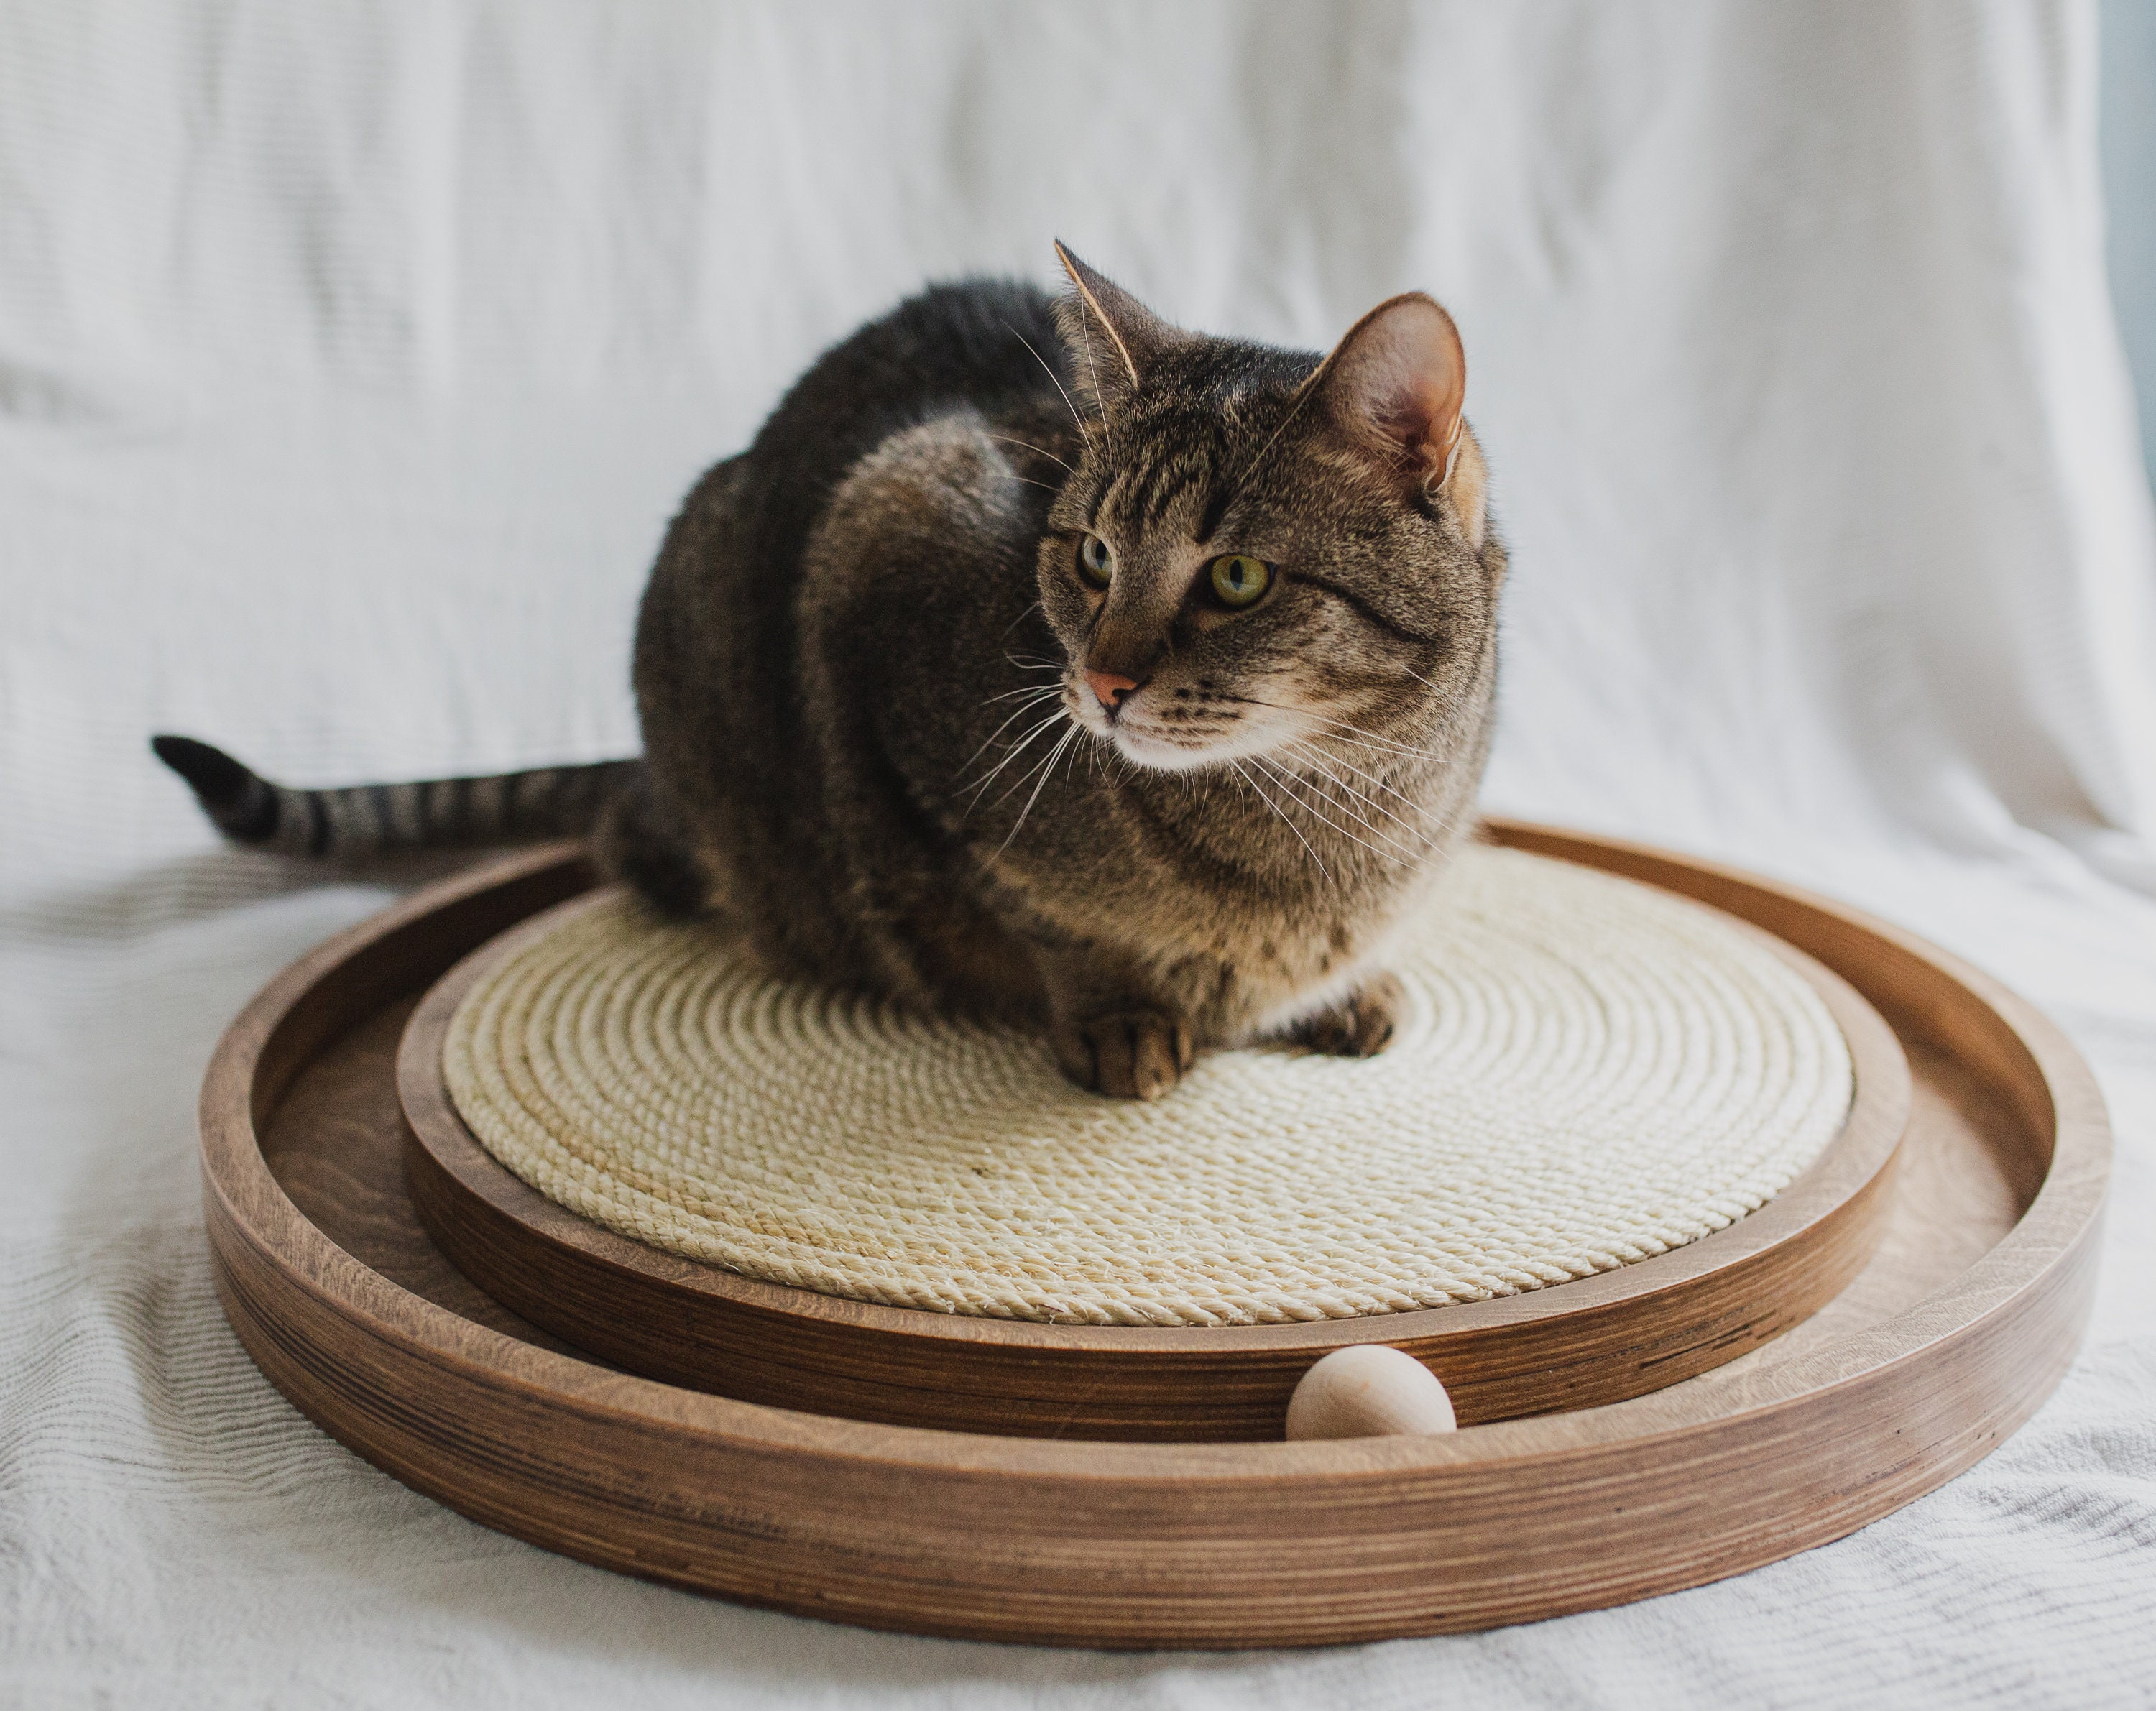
(353, 355)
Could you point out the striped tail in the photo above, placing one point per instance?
(366, 820)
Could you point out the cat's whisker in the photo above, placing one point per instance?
(1417, 835)
(1107, 429)
(1039, 696)
(1320, 757)
(1017, 749)
(1296, 793)
(1283, 819)
(1353, 803)
(1303, 397)
(1309, 755)
(1404, 852)
(1040, 770)
(1041, 451)
(1046, 770)
(1372, 739)
(1016, 621)
(1090, 743)
(1031, 689)
(1368, 738)
(1356, 737)
(1259, 791)
(1392, 750)
(1018, 745)
(1082, 434)
(1317, 757)
(1327, 719)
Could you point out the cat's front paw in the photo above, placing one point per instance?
(1361, 1024)
(1126, 1054)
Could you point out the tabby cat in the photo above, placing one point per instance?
(1042, 660)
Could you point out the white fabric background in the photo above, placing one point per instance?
(2127, 95)
(353, 355)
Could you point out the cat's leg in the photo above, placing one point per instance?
(639, 842)
(1361, 1024)
(1126, 1054)
(1111, 1034)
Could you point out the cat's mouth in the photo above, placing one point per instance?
(1166, 731)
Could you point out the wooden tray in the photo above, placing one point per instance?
(1962, 1324)
(1595, 1340)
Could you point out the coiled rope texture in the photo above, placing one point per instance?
(1592, 1073)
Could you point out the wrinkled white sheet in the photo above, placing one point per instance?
(353, 355)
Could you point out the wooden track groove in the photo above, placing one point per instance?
(1950, 1338)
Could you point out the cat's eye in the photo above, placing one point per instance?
(1239, 580)
(1096, 563)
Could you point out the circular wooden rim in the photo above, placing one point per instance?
(1594, 1340)
(1130, 1545)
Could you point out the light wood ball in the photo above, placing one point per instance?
(1369, 1390)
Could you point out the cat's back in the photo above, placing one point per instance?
(717, 675)
(728, 574)
(985, 345)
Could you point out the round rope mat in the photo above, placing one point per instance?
(1591, 1072)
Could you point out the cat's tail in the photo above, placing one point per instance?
(366, 819)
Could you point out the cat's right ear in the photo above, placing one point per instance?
(1395, 385)
(1113, 340)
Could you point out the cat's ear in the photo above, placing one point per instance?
(1395, 384)
(1113, 340)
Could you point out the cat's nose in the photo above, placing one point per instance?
(1107, 686)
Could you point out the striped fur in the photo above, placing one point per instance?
(869, 667)
(368, 820)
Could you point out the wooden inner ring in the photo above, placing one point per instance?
(1598, 1339)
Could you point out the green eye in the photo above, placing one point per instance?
(1096, 563)
(1239, 579)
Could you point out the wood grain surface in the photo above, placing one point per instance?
(1598, 1339)
(1964, 1320)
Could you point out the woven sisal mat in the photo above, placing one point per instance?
(1594, 1071)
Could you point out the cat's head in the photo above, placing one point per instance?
(1257, 550)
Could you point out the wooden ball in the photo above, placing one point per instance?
(1369, 1390)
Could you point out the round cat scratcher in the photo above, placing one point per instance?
(1590, 1074)
(1948, 1335)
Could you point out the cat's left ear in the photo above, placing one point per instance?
(1113, 341)
(1395, 385)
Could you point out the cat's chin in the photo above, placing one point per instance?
(1161, 755)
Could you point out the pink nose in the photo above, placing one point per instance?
(1108, 686)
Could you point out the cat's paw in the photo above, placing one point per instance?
(1361, 1024)
(1126, 1054)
